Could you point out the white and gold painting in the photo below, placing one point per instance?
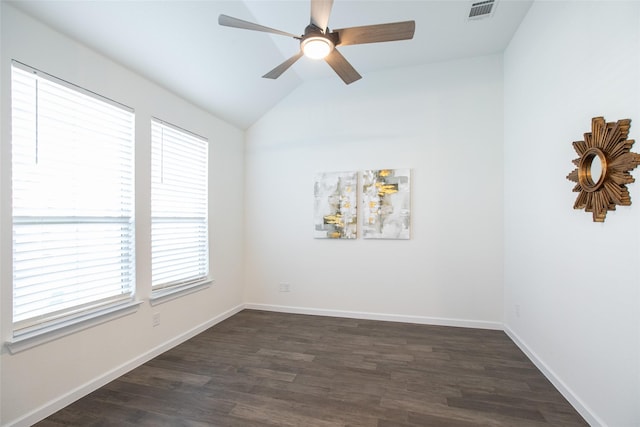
(335, 208)
(386, 202)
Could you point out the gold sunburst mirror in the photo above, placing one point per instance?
(602, 172)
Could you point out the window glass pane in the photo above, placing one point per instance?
(179, 236)
(72, 198)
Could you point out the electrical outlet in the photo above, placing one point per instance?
(156, 319)
(284, 287)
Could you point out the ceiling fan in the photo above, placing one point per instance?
(318, 42)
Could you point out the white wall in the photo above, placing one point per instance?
(576, 282)
(444, 121)
(38, 381)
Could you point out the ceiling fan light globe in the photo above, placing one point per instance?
(317, 47)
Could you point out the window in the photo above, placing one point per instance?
(179, 237)
(73, 201)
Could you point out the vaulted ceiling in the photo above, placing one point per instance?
(179, 44)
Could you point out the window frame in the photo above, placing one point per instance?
(177, 288)
(36, 329)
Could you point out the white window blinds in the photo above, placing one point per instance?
(72, 200)
(179, 237)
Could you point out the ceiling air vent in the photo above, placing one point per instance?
(482, 9)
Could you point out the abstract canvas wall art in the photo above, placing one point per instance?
(386, 201)
(335, 208)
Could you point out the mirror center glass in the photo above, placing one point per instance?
(596, 169)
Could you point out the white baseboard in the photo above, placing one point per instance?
(576, 402)
(65, 400)
(423, 320)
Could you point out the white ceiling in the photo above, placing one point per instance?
(179, 44)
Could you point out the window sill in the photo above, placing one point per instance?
(163, 295)
(68, 327)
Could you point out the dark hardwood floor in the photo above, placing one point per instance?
(272, 369)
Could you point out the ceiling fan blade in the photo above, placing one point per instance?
(276, 72)
(377, 33)
(229, 21)
(320, 12)
(341, 66)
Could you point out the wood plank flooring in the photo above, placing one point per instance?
(272, 369)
